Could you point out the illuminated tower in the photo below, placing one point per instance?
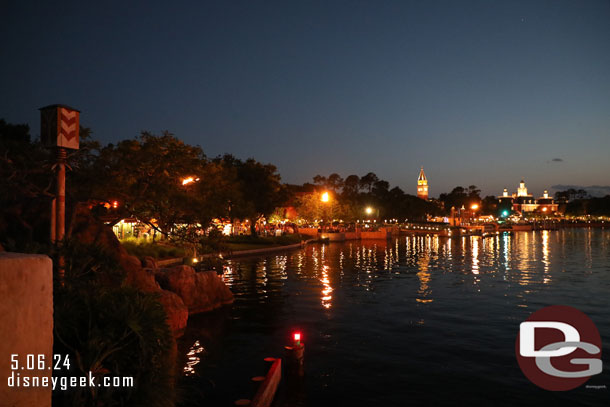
(522, 190)
(422, 185)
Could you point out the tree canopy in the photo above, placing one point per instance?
(350, 197)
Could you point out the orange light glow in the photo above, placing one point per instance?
(325, 197)
(115, 204)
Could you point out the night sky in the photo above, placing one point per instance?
(478, 92)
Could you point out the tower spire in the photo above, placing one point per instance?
(422, 185)
(422, 175)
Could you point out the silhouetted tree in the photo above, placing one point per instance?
(367, 181)
(351, 185)
(489, 205)
(335, 182)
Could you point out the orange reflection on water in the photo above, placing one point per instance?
(545, 256)
(193, 358)
(424, 275)
(475, 255)
(326, 288)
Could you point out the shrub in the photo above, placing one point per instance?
(158, 251)
(110, 330)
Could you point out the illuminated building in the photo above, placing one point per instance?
(523, 202)
(422, 185)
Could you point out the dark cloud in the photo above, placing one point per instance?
(557, 160)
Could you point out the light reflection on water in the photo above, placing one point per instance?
(423, 318)
(193, 358)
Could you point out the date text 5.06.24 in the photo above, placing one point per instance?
(39, 362)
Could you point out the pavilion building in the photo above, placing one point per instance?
(524, 202)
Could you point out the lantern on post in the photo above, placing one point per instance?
(59, 126)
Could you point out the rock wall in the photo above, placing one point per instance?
(201, 291)
(181, 290)
(26, 325)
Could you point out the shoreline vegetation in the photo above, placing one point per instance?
(232, 245)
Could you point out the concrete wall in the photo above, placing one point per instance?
(26, 324)
(382, 234)
(309, 231)
(352, 235)
(333, 237)
(394, 230)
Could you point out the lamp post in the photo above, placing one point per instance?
(369, 210)
(474, 208)
(325, 198)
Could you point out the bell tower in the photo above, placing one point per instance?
(422, 185)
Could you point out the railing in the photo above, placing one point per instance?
(426, 228)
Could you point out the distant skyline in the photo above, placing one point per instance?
(478, 92)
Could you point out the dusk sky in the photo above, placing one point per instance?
(478, 92)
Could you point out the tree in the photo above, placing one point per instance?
(261, 188)
(380, 189)
(351, 186)
(589, 206)
(26, 189)
(320, 180)
(490, 205)
(309, 207)
(145, 176)
(335, 182)
(473, 193)
(571, 194)
(457, 198)
(368, 181)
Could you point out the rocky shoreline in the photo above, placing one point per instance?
(182, 291)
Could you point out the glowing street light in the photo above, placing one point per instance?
(369, 210)
(325, 198)
(474, 207)
(544, 209)
(189, 180)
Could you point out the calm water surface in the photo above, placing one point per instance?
(411, 321)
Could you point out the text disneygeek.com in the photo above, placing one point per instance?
(29, 374)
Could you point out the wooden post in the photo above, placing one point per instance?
(295, 372)
(60, 205)
(295, 365)
(61, 195)
(53, 223)
(59, 129)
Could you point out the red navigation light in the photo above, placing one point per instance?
(297, 338)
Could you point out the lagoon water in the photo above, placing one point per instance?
(411, 321)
